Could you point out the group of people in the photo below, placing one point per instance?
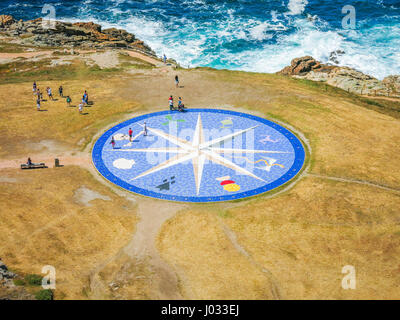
(130, 133)
(180, 107)
(39, 97)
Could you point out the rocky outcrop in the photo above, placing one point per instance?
(6, 20)
(8, 290)
(86, 35)
(304, 65)
(5, 275)
(342, 77)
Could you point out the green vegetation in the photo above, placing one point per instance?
(19, 282)
(44, 295)
(33, 279)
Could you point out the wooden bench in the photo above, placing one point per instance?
(33, 166)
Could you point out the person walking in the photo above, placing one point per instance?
(38, 103)
(60, 91)
(145, 129)
(69, 100)
(165, 59)
(171, 103)
(34, 87)
(177, 81)
(112, 142)
(49, 93)
(39, 94)
(86, 97)
(130, 132)
(80, 108)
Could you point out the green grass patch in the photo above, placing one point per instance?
(44, 295)
(19, 282)
(33, 280)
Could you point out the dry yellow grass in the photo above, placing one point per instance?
(43, 223)
(126, 278)
(211, 267)
(301, 238)
(305, 238)
(23, 125)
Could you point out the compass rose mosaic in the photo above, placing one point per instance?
(201, 155)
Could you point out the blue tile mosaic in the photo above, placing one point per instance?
(260, 159)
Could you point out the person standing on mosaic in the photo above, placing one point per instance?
(130, 132)
(112, 142)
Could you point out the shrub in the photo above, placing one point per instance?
(19, 282)
(33, 279)
(44, 295)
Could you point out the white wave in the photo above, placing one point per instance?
(297, 7)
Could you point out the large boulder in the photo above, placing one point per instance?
(301, 66)
(90, 26)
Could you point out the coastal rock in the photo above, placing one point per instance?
(334, 56)
(86, 35)
(301, 65)
(345, 78)
(5, 273)
(393, 83)
(6, 20)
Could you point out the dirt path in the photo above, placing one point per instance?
(34, 54)
(141, 56)
(108, 58)
(153, 214)
(363, 182)
(382, 98)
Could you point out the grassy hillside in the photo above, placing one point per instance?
(292, 245)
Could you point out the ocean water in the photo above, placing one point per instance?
(248, 35)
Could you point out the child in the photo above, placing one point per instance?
(34, 87)
(38, 104)
(171, 103)
(177, 81)
(60, 91)
(69, 100)
(80, 108)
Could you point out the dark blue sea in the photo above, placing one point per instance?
(250, 35)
